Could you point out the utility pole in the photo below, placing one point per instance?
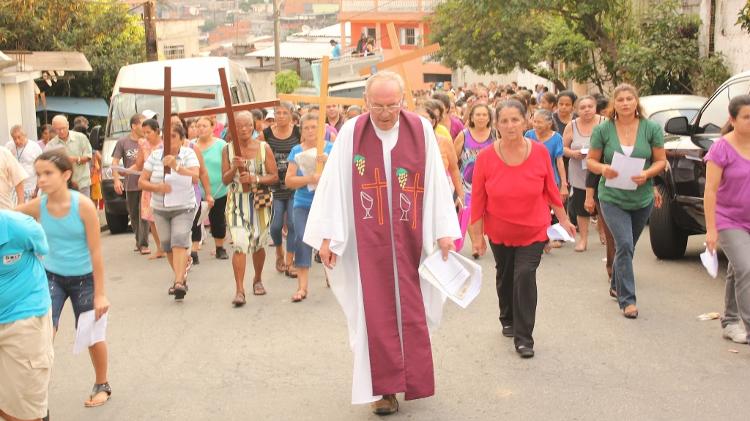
(149, 21)
(276, 37)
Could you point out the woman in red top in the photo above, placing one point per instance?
(514, 187)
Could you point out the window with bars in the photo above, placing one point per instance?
(174, 52)
(409, 36)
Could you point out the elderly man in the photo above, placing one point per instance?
(79, 152)
(382, 205)
(12, 176)
(26, 153)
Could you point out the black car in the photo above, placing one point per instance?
(683, 182)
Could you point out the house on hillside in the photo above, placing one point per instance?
(370, 17)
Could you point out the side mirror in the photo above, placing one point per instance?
(678, 126)
(95, 138)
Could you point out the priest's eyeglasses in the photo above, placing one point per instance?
(380, 109)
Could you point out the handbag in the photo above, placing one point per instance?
(262, 196)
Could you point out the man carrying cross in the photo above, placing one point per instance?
(382, 205)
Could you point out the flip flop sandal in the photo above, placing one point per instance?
(299, 296)
(144, 251)
(291, 273)
(258, 288)
(179, 291)
(239, 300)
(99, 388)
(280, 265)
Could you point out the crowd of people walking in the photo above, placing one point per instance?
(515, 161)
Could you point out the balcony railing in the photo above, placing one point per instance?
(389, 5)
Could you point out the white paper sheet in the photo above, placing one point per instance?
(307, 161)
(89, 331)
(557, 233)
(123, 170)
(710, 262)
(626, 167)
(458, 278)
(182, 190)
(584, 151)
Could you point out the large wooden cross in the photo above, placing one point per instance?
(229, 109)
(399, 60)
(322, 101)
(168, 94)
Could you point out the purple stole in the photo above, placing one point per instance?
(393, 371)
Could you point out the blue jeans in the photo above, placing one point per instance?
(282, 211)
(80, 290)
(303, 252)
(626, 226)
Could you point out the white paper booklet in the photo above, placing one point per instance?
(307, 161)
(557, 233)
(458, 277)
(182, 190)
(710, 262)
(626, 168)
(89, 331)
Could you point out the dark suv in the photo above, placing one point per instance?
(684, 180)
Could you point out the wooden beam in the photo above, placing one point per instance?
(396, 46)
(365, 71)
(157, 92)
(223, 110)
(316, 100)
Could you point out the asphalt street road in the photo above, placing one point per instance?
(275, 360)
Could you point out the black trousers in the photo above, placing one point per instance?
(217, 219)
(516, 288)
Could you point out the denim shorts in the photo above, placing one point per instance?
(80, 290)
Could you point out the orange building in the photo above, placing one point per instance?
(408, 16)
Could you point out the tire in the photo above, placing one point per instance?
(668, 241)
(118, 224)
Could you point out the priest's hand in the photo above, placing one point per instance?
(446, 245)
(326, 255)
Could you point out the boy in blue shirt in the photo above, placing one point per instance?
(26, 353)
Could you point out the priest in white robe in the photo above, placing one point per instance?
(382, 205)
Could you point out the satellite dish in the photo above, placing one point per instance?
(305, 29)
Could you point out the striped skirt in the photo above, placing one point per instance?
(249, 227)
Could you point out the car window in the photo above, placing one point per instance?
(661, 117)
(716, 114)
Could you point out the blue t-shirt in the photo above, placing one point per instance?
(303, 197)
(554, 146)
(24, 291)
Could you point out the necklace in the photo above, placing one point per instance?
(20, 153)
(502, 155)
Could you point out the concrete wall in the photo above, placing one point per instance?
(263, 83)
(17, 103)
(184, 32)
(729, 38)
(468, 76)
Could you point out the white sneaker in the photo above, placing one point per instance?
(735, 333)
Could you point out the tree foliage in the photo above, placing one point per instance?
(603, 42)
(287, 81)
(743, 18)
(105, 33)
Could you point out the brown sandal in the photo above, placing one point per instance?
(280, 265)
(299, 296)
(239, 299)
(258, 288)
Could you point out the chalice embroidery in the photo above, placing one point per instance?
(405, 205)
(367, 202)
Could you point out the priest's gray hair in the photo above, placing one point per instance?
(384, 75)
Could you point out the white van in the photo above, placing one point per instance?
(191, 74)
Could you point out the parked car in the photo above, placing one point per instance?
(683, 182)
(660, 108)
(190, 74)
